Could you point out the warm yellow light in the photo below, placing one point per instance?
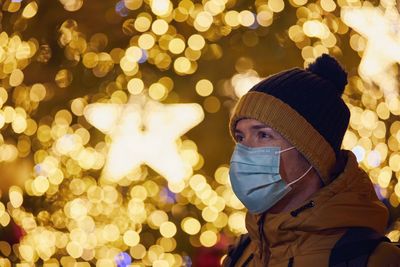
(204, 87)
(160, 263)
(369, 119)
(382, 51)
(68, 143)
(196, 42)
(329, 41)
(37, 92)
(78, 105)
(159, 27)
(30, 10)
(27, 252)
(191, 225)
(146, 41)
(232, 18)
(315, 28)
(16, 77)
(243, 82)
(168, 229)
(16, 197)
(296, 33)
(76, 209)
(394, 162)
(90, 60)
(384, 177)
(143, 23)
(133, 4)
(300, 2)
(209, 214)
(74, 249)
(3, 96)
(215, 7)
(176, 46)
(40, 184)
(157, 91)
(2, 119)
(328, 5)
(212, 104)
(138, 251)
(144, 131)
(276, 5)
(265, 17)
(394, 235)
(134, 53)
(131, 238)
(182, 65)
(110, 232)
(63, 78)
(246, 18)
(161, 7)
(2, 209)
(208, 238)
(72, 5)
(56, 177)
(135, 86)
(19, 123)
(5, 219)
(236, 222)
(222, 175)
(203, 21)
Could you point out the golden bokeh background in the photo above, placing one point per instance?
(60, 207)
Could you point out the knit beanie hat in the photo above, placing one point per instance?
(305, 106)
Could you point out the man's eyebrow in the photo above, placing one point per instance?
(255, 127)
(259, 126)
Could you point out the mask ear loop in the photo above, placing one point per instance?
(298, 179)
(286, 149)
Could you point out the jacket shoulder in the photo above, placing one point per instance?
(386, 254)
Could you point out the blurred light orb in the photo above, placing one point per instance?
(374, 159)
(30, 10)
(63, 78)
(359, 151)
(159, 27)
(161, 7)
(123, 259)
(121, 9)
(72, 5)
(315, 28)
(243, 82)
(133, 4)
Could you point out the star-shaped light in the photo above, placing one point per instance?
(381, 29)
(144, 131)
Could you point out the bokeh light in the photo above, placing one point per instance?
(114, 147)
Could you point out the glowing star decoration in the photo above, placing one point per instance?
(144, 131)
(382, 52)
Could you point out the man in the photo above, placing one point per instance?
(309, 204)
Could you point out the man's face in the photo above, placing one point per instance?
(253, 133)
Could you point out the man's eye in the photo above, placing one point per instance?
(264, 135)
(238, 138)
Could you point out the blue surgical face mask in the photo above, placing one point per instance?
(255, 178)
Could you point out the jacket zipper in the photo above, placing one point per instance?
(261, 234)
